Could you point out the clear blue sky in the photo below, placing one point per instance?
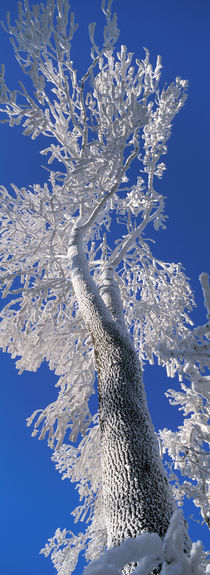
(34, 500)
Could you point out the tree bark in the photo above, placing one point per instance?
(136, 493)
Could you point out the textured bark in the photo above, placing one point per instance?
(136, 493)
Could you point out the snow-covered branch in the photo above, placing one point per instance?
(69, 286)
(148, 552)
(189, 446)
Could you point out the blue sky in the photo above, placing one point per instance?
(34, 499)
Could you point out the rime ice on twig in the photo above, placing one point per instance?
(189, 446)
(97, 126)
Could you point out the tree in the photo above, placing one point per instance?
(78, 299)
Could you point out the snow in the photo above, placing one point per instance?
(54, 266)
(148, 550)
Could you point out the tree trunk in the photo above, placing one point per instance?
(135, 488)
(136, 493)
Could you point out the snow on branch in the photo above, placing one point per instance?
(188, 447)
(41, 320)
(148, 551)
(81, 465)
(156, 297)
(97, 126)
(191, 355)
(204, 279)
